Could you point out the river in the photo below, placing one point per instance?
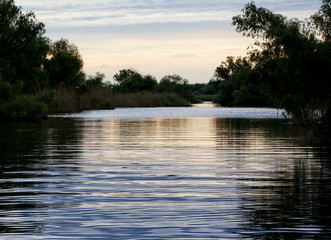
(162, 173)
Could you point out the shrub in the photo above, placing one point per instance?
(170, 100)
(24, 107)
(47, 97)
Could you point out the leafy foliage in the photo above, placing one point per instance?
(64, 65)
(177, 84)
(129, 80)
(289, 68)
(322, 20)
(23, 48)
(237, 84)
(23, 107)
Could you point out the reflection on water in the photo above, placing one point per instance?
(181, 178)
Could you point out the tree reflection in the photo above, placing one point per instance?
(293, 204)
(28, 154)
(289, 202)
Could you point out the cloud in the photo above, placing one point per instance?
(58, 13)
(184, 55)
(186, 37)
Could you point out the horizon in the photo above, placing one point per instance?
(188, 38)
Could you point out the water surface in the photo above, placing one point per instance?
(206, 110)
(161, 174)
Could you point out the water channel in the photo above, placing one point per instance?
(162, 173)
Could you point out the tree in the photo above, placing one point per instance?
(126, 75)
(129, 80)
(286, 61)
(173, 83)
(174, 79)
(95, 81)
(322, 20)
(23, 47)
(236, 81)
(64, 65)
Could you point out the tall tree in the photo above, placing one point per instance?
(65, 65)
(322, 20)
(23, 46)
(287, 61)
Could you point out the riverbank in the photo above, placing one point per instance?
(38, 106)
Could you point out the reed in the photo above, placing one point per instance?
(148, 99)
(68, 100)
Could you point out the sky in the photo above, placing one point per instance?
(158, 37)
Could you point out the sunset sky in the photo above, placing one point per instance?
(158, 37)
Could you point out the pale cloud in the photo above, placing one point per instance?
(184, 55)
(60, 13)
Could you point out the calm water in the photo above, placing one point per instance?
(161, 173)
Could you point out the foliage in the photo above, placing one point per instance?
(174, 79)
(47, 97)
(179, 85)
(8, 90)
(129, 80)
(203, 89)
(95, 81)
(173, 83)
(148, 99)
(23, 107)
(23, 47)
(322, 20)
(289, 67)
(91, 83)
(170, 100)
(69, 100)
(237, 84)
(65, 64)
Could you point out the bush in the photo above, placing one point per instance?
(99, 103)
(5, 90)
(8, 90)
(174, 101)
(47, 97)
(24, 107)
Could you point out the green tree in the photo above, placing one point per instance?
(236, 81)
(95, 81)
(286, 61)
(129, 80)
(174, 79)
(65, 65)
(23, 47)
(173, 83)
(322, 20)
(125, 75)
(178, 85)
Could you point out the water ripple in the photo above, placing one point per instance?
(191, 178)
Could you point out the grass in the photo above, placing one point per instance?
(209, 98)
(67, 100)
